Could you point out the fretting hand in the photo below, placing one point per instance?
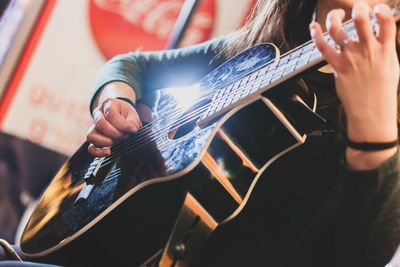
(366, 76)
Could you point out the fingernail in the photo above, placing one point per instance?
(328, 23)
(376, 10)
(358, 5)
(312, 32)
(312, 29)
(353, 11)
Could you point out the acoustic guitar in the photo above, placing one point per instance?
(191, 168)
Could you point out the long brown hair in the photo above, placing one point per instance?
(282, 22)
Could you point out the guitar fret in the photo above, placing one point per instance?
(302, 62)
(253, 76)
(263, 71)
(315, 55)
(307, 48)
(245, 80)
(236, 85)
(283, 61)
(228, 90)
(288, 70)
(295, 54)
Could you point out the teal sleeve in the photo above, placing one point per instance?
(149, 71)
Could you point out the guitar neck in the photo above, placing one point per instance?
(295, 62)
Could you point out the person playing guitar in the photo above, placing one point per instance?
(332, 201)
(354, 215)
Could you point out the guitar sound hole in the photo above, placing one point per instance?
(187, 121)
(182, 130)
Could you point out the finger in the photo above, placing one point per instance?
(387, 26)
(126, 119)
(361, 13)
(132, 122)
(99, 140)
(334, 25)
(99, 152)
(327, 51)
(105, 127)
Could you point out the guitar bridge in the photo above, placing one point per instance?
(98, 171)
(95, 175)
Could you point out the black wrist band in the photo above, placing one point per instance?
(366, 146)
(127, 100)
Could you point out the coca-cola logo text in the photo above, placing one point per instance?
(119, 26)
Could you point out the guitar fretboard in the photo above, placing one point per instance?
(248, 88)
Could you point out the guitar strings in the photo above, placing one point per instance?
(144, 130)
(205, 96)
(136, 143)
(176, 112)
(132, 144)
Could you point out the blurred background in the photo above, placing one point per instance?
(50, 53)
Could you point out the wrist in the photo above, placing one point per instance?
(372, 146)
(127, 100)
(113, 90)
(375, 142)
(372, 131)
(365, 160)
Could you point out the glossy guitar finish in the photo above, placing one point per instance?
(134, 196)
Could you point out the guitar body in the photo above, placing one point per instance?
(121, 209)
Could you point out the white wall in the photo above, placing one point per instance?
(50, 106)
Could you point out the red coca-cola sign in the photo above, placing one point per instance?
(119, 26)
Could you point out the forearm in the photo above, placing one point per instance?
(146, 72)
